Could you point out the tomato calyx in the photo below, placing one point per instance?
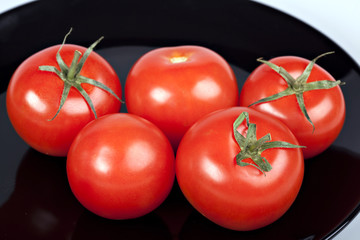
(72, 78)
(252, 148)
(299, 85)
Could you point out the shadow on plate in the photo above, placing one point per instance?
(42, 205)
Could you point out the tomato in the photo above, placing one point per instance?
(319, 121)
(121, 166)
(220, 180)
(36, 93)
(174, 86)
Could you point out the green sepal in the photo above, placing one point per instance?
(72, 78)
(286, 92)
(299, 85)
(64, 95)
(240, 157)
(63, 67)
(86, 55)
(301, 103)
(99, 85)
(251, 147)
(281, 71)
(322, 84)
(305, 75)
(87, 97)
(278, 144)
(240, 139)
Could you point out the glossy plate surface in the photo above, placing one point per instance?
(35, 199)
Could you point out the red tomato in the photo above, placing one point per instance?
(233, 196)
(121, 166)
(325, 107)
(34, 97)
(174, 86)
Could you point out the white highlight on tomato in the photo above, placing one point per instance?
(160, 95)
(265, 107)
(179, 59)
(79, 106)
(320, 107)
(139, 155)
(206, 89)
(102, 161)
(212, 170)
(35, 102)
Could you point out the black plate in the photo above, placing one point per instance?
(35, 199)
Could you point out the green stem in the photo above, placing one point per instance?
(72, 78)
(299, 85)
(72, 70)
(251, 147)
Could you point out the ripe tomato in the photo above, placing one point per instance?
(229, 189)
(121, 166)
(174, 86)
(34, 96)
(318, 124)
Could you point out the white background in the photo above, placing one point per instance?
(337, 19)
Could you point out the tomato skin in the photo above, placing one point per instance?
(235, 197)
(121, 166)
(326, 108)
(33, 97)
(175, 95)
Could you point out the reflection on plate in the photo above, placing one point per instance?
(35, 199)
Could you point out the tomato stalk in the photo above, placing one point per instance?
(72, 70)
(72, 78)
(299, 85)
(252, 148)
